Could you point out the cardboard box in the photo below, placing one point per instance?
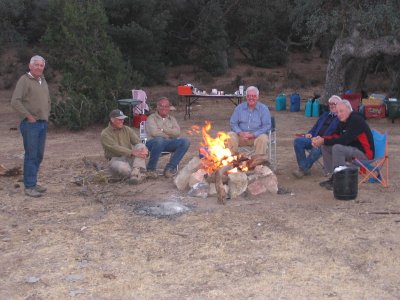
(184, 90)
(374, 111)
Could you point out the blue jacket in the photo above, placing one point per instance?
(331, 129)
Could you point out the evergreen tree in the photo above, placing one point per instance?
(93, 72)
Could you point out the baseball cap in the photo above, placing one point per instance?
(116, 113)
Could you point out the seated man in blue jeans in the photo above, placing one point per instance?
(163, 132)
(325, 125)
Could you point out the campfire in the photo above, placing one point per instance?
(218, 171)
(216, 155)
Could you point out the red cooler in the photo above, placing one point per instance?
(137, 119)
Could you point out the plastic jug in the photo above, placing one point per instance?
(315, 108)
(308, 109)
(280, 102)
(294, 102)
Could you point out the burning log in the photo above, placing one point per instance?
(219, 186)
(258, 159)
(210, 178)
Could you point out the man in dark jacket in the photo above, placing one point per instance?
(352, 139)
(325, 125)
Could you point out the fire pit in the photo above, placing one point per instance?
(216, 171)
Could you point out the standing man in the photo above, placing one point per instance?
(250, 124)
(352, 139)
(123, 148)
(31, 100)
(163, 132)
(325, 125)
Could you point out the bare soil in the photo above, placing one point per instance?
(301, 245)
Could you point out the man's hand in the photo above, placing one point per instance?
(141, 153)
(245, 136)
(31, 119)
(317, 141)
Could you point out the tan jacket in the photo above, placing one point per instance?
(31, 98)
(118, 142)
(164, 127)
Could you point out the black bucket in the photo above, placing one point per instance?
(345, 183)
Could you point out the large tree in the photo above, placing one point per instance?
(361, 30)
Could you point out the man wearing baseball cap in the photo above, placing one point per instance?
(123, 148)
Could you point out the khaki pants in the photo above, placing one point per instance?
(123, 166)
(260, 143)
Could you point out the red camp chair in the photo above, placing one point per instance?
(377, 169)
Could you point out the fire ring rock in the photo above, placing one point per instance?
(237, 184)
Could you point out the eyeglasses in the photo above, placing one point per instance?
(332, 104)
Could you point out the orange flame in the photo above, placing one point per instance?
(215, 152)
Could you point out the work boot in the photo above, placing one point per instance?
(31, 192)
(300, 173)
(328, 184)
(40, 189)
(169, 173)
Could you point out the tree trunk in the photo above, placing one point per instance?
(346, 49)
(356, 73)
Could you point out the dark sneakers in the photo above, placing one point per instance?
(328, 184)
(300, 173)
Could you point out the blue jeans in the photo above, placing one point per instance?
(34, 137)
(302, 144)
(157, 145)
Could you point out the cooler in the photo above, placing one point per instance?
(374, 111)
(137, 119)
(184, 90)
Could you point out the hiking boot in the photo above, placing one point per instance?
(40, 189)
(151, 174)
(300, 173)
(328, 184)
(169, 173)
(31, 192)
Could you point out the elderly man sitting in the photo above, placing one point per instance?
(250, 123)
(164, 131)
(325, 125)
(352, 139)
(126, 162)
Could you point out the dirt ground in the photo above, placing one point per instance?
(88, 242)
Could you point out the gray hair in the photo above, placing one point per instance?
(37, 57)
(348, 104)
(336, 99)
(253, 88)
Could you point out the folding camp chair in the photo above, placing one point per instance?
(377, 169)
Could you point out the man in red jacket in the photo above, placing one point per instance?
(352, 139)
